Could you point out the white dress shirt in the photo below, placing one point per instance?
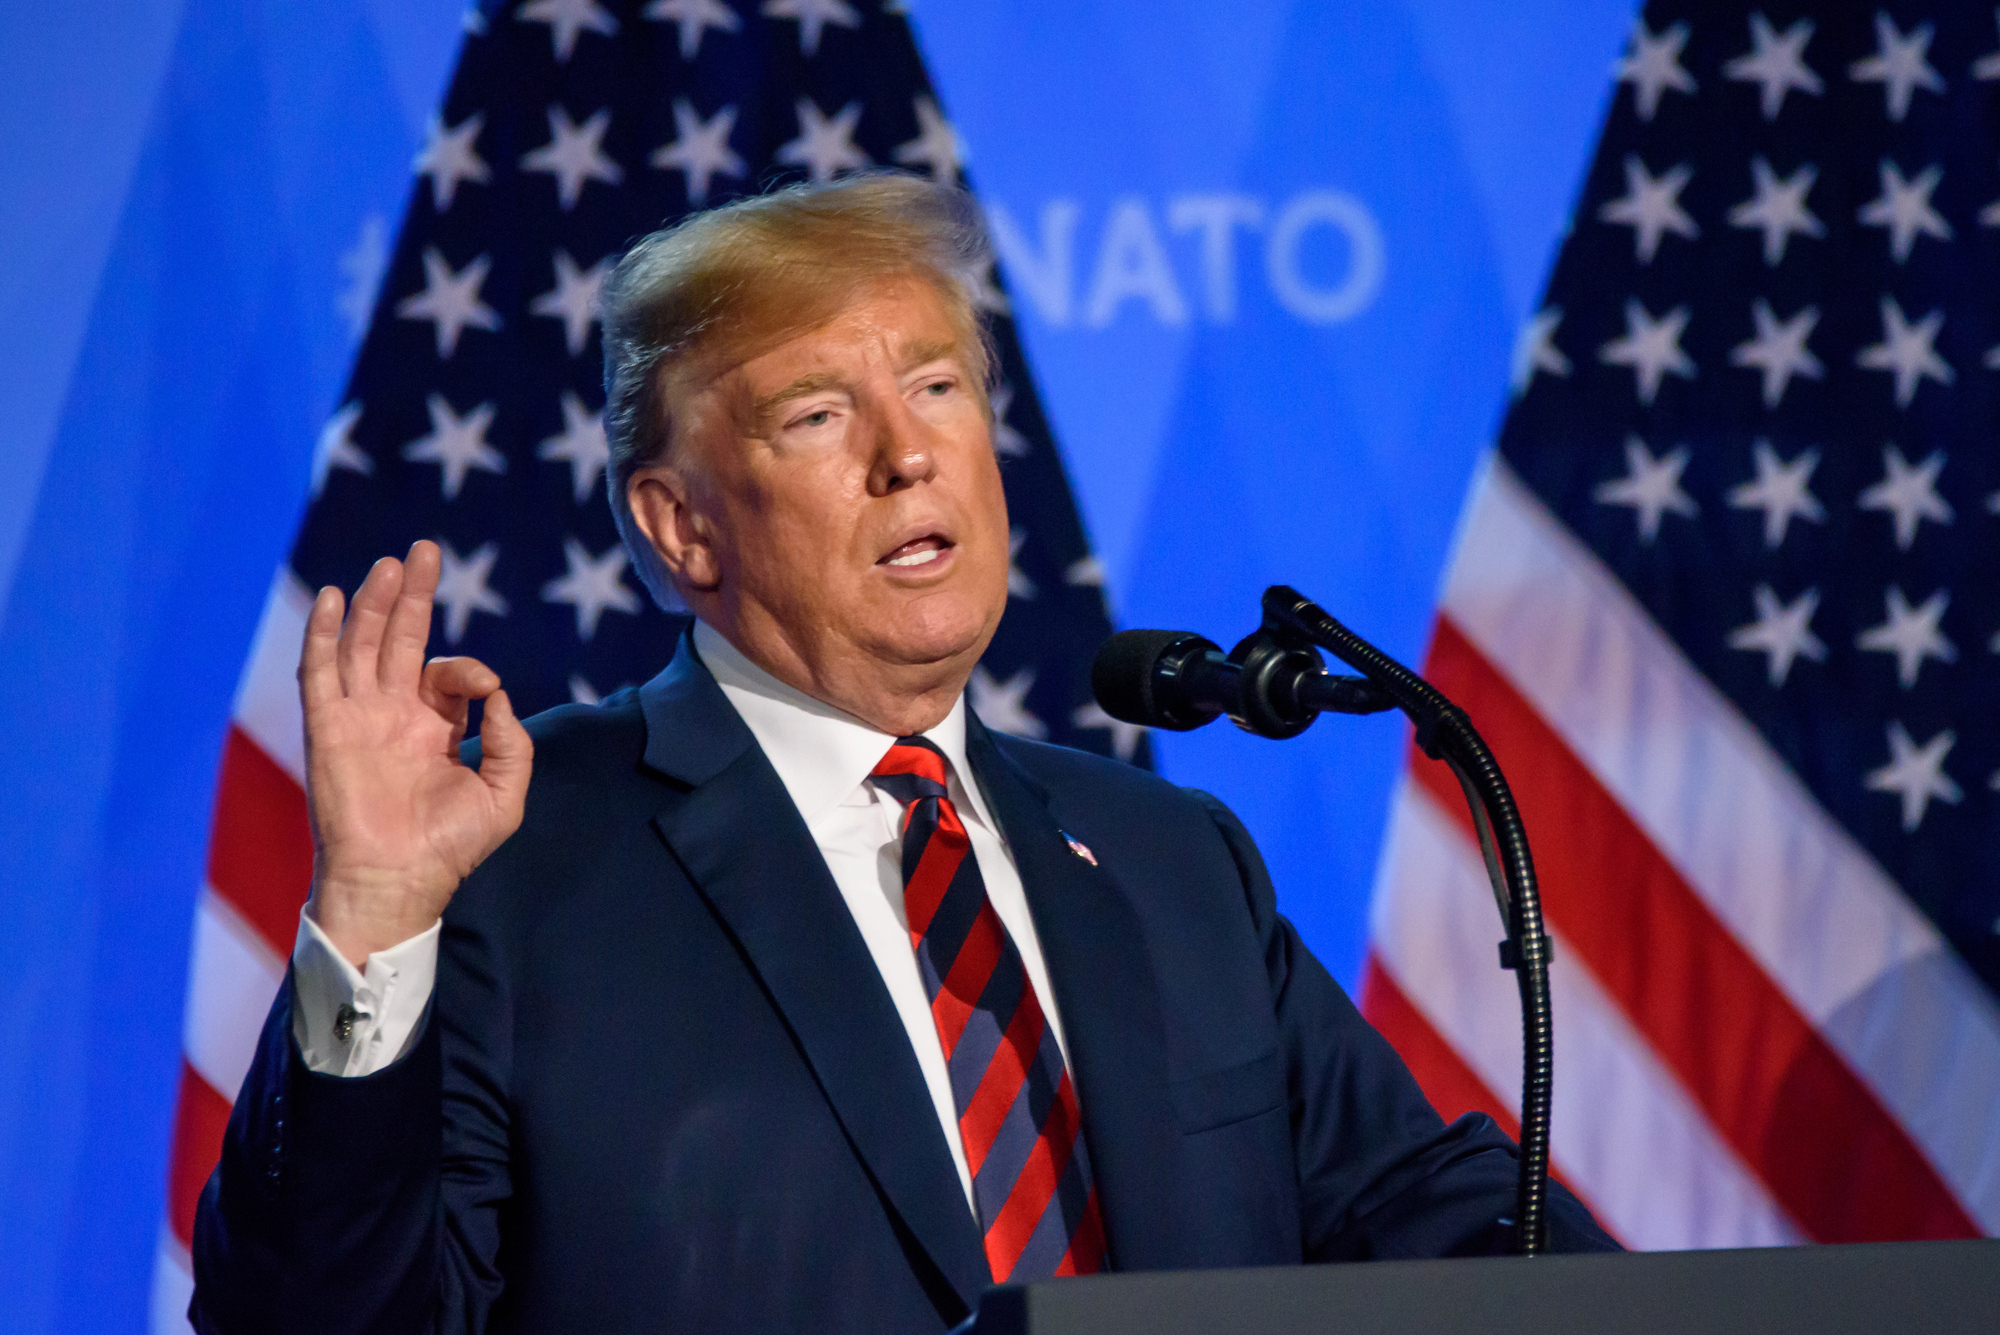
(823, 758)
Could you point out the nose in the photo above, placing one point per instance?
(903, 452)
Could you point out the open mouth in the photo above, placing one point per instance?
(917, 552)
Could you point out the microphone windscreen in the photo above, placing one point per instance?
(1122, 675)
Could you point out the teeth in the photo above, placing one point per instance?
(921, 558)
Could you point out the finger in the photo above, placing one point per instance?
(450, 682)
(367, 617)
(409, 626)
(507, 756)
(319, 675)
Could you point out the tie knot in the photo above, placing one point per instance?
(913, 768)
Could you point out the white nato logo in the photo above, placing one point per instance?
(1133, 264)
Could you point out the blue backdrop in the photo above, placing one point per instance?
(1268, 258)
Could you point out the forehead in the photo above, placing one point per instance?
(895, 320)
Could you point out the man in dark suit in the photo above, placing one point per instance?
(799, 999)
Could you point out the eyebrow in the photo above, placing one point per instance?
(927, 350)
(764, 407)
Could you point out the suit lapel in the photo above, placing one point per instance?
(742, 841)
(1102, 975)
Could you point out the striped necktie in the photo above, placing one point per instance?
(1017, 1108)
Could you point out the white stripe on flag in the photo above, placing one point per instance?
(232, 976)
(173, 1286)
(1624, 1130)
(267, 696)
(1820, 917)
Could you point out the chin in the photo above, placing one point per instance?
(935, 630)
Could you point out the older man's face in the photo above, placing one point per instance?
(853, 502)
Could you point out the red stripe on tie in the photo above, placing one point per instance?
(1008, 1236)
(920, 761)
(960, 990)
(199, 1123)
(260, 853)
(935, 868)
(1832, 1156)
(986, 1111)
(1085, 1254)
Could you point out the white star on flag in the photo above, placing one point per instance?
(824, 147)
(1899, 65)
(1086, 572)
(1651, 207)
(1906, 350)
(1904, 207)
(1779, 208)
(1535, 350)
(457, 445)
(979, 284)
(1654, 65)
(574, 155)
(1781, 490)
(1916, 774)
(1002, 706)
(573, 299)
(1018, 584)
(1988, 66)
(1650, 486)
(695, 18)
(1909, 494)
(592, 585)
(462, 587)
(449, 158)
(1776, 63)
(335, 448)
(581, 692)
(1782, 631)
(1650, 347)
(812, 16)
(567, 19)
(1124, 736)
(936, 144)
(1779, 350)
(582, 445)
(1007, 442)
(363, 263)
(1910, 633)
(450, 301)
(700, 150)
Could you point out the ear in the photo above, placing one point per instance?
(663, 507)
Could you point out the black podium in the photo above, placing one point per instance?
(1898, 1288)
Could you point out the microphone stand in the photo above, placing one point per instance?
(1443, 732)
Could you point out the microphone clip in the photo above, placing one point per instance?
(1284, 684)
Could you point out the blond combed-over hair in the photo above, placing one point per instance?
(722, 286)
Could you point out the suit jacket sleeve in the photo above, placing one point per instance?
(1380, 1173)
(365, 1204)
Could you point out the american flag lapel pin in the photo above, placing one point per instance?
(1078, 847)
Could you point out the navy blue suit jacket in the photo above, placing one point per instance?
(662, 1085)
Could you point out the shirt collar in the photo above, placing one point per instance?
(821, 754)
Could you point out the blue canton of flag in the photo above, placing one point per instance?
(1765, 388)
(571, 128)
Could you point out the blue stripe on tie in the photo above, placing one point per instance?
(956, 913)
(1016, 1140)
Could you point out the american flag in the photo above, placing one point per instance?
(473, 416)
(1726, 603)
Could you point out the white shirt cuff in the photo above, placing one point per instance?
(354, 1022)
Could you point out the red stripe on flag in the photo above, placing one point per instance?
(198, 1126)
(1832, 1156)
(260, 853)
(1452, 1087)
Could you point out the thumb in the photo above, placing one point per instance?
(507, 754)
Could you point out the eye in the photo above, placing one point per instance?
(820, 418)
(937, 389)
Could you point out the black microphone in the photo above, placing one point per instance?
(1177, 680)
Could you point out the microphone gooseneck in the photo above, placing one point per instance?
(1274, 684)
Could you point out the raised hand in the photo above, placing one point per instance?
(398, 822)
